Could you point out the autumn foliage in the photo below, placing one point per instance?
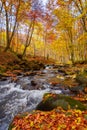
(57, 29)
(57, 119)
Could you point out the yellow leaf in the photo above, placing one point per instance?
(73, 127)
(78, 120)
(31, 124)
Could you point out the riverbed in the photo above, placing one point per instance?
(26, 92)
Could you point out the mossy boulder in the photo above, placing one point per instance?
(77, 89)
(11, 126)
(81, 78)
(51, 101)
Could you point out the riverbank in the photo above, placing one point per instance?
(12, 65)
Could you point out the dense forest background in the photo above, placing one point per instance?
(54, 29)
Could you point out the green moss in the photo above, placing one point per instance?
(63, 101)
(11, 126)
(81, 78)
(74, 104)
(68, 113)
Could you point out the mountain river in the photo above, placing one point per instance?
(24, 94)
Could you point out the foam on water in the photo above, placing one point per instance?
(14, 100)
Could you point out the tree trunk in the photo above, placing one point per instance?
(28, 41)
(24, 52)
(8, 37)
(71, 45)
(7, 33)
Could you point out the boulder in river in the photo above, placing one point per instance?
(78, 89)
(51, 101)
(81, 79)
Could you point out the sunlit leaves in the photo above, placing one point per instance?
(65, 20)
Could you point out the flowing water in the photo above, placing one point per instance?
(23, 95)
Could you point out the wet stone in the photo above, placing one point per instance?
(33, 83)
(3, 78)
